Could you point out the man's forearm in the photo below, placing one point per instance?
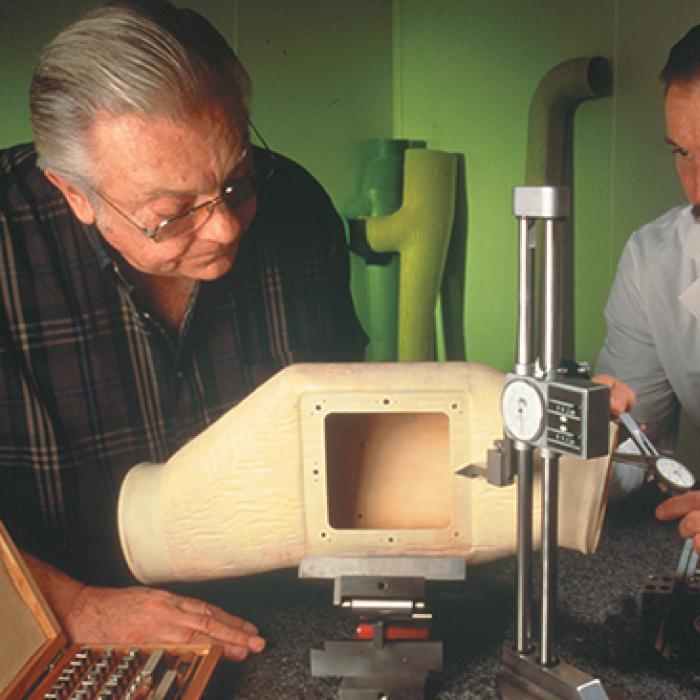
(60, 590)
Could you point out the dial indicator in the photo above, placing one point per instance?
(522, 410)
(674, 475)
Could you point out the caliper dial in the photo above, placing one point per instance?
(674, 475)
(522, 409)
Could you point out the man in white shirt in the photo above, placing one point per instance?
(653, 313)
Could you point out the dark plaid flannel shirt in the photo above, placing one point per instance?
(91, 384)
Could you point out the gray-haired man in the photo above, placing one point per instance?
(155, 267)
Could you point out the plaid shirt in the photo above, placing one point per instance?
(92, 384)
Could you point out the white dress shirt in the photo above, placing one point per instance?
(653, 317)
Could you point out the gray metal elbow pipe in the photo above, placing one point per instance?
(550, 119)
(550, 148)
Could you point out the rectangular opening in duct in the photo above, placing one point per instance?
(388, 471)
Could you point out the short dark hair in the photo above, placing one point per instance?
(683, 61)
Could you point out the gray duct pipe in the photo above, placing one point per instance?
(550, 150)
(550, 119)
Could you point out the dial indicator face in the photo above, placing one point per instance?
(522, 409)
(675, 474)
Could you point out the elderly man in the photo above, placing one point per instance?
(653, 313)
(155, 267)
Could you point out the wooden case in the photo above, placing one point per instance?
(36, 657)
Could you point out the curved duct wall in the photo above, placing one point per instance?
(351, 459)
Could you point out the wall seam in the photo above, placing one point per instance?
(237, 15)
(396, 72)
(612, 247)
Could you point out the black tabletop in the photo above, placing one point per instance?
(598, 628)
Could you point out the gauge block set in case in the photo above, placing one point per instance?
(119, 673)
(38, 663)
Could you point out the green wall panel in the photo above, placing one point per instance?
(645, 180)
(321, 70)
(468, 72)
(25, 26)
(330, 74)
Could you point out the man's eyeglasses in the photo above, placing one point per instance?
(233, 191)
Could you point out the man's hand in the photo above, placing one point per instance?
(687, 507)
(141, 615)
(622, 396)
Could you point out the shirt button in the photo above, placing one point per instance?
(146, 315)
(180, 375)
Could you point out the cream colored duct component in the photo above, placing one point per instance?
(342, 459)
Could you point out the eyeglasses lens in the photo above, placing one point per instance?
(234, 192)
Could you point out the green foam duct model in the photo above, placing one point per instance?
(382, 180)
(420, 232)
(550, 150)
(374, 280)
(452, 306)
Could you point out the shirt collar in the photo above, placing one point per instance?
(108, 259)
(690, 234)
(690, 296)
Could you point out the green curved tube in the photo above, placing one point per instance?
(380, 190)
(420, 232)
(374, 287)
(452, 306)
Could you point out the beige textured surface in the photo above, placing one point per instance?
(251, 493)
